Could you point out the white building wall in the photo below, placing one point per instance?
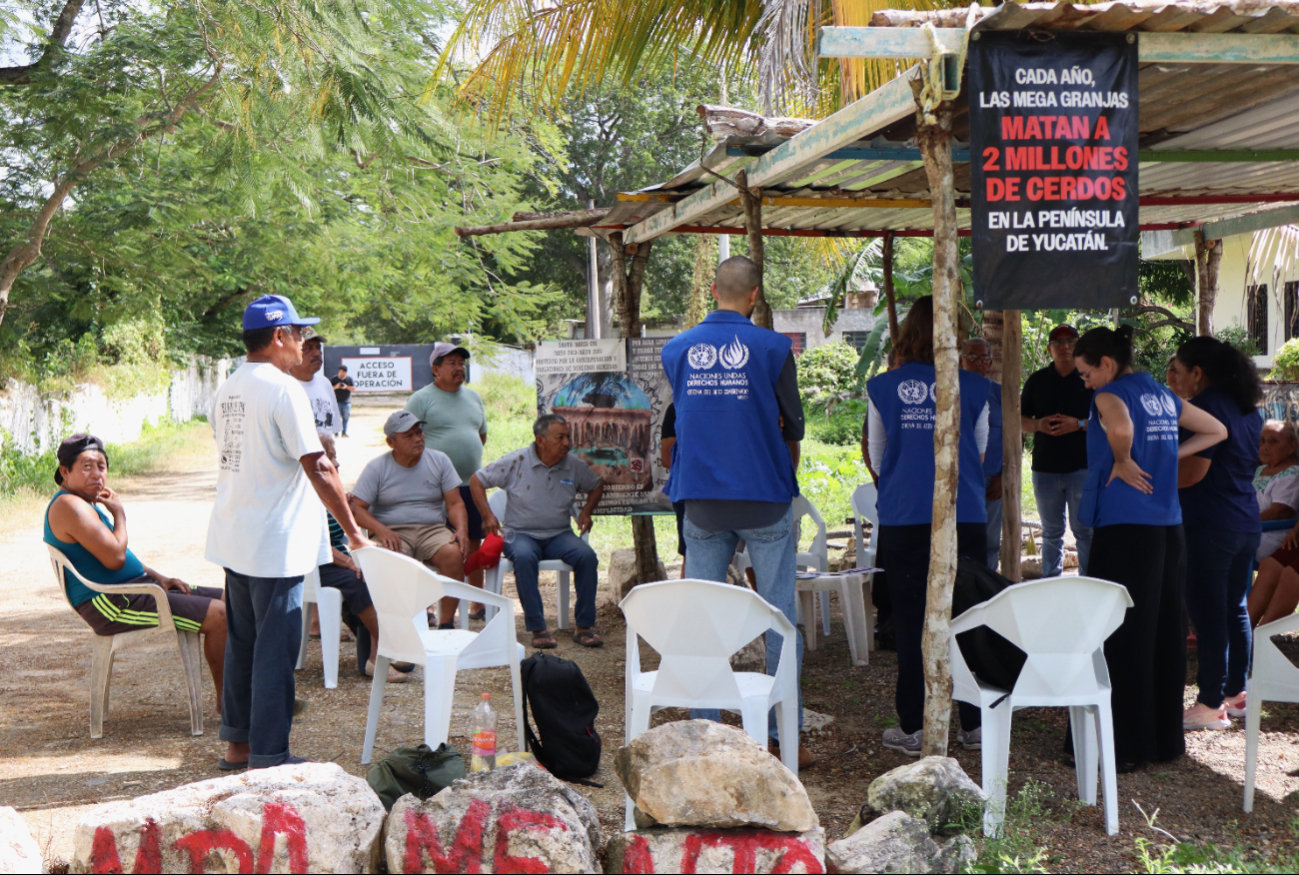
(808, 320)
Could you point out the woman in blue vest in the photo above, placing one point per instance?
(1220, 515)
(901, 448)
(1130, 499)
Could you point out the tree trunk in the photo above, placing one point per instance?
(936, 150)
(572, 219)
(701, 282)
(1012, 442)
(752, 198)
(990, 328)
(1208, 255)
(890, 297)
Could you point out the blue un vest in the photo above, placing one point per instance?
(1154, 411)
(906, 403)
(723, 374)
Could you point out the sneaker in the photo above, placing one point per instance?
(896, 739)
(1235, 705)
(971, 740)
(1201, 716)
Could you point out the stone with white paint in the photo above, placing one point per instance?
(307, 817)
(935, 789)
(897, 842)
(703, 773)
(18, 850)
(516, 819)
(693, 849)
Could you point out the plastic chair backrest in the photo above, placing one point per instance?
(863, 502)
(401, 588)
(696, 626)
(802, 507)
(499, 499)
(62, 565)
(1273, 674)
(1060, 623)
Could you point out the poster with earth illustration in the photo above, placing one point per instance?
(613, 394)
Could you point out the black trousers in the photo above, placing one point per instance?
(904, 553)
(1147, 654)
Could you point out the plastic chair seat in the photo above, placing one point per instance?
(1273, 678)
(104, 648)
(329, 604)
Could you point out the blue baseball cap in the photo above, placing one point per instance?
(270, 311)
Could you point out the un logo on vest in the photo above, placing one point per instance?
(734, 355)
(1170, 407)
(1152, 404)
(913, 392)
(702, 356)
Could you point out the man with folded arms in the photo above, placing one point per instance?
(405, 498)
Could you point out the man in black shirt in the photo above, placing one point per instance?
(343, 385)
(1054, 406)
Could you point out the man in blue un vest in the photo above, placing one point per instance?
(739, 423)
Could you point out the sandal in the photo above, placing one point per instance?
(543, 640)
(480, 614)
(588, 638)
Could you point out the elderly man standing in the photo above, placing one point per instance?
(405, 498)
(976, 356)
(542, 482)
(737, 450)
(268, 530)
(455, 422)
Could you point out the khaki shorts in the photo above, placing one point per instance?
(423, 541)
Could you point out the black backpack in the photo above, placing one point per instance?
(992, 658)
(564, 709)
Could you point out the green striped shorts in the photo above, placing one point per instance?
(110, 614)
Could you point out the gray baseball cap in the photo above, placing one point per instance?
(400, 422)
(444, 349)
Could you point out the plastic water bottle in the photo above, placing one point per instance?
(484, 741)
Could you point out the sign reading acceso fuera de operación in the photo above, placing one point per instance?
(1053, 169)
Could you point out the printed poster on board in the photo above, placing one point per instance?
(613, 394)
(1053, 169)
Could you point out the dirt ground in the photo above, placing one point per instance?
(51, 771)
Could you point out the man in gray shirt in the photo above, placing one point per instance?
(542, 481)
(405, 499)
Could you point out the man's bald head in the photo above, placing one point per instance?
(736, 278)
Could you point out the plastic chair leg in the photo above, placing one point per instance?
(787, 722)
(101, 672)
(330, 606)
(996, 764)
(1109, 775)
(492, 581)
(439, 691)
(868, 611)
(806, 604)
(516, 688)
(854, 620)
(1085, 750)
(377, 685)
(753, 714)
(306, 634)
(191, 657)
(825, 612)
(462, 608)
(1253, 719)
(562, 621)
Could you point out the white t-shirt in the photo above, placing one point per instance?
(324, 405)
(267, 520)
(1280, 488)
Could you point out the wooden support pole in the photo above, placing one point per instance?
(752, 198)
(936, 147)
(1208, 255)
(890, 296)
(571, 219)
(1012, 443)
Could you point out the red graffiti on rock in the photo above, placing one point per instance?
(743, 844)
(278, 819)
(468, 848)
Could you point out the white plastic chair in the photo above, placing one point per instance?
(696, 626)
(1061, 625)
(402, 588)
(493, 577)
(1273, 678)
(816, 559)
(863, 503)
(105, 647)
(329, 602)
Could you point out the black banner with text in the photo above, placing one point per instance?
(1053, 169)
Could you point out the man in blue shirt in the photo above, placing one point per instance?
(739, 423)
(976, 356)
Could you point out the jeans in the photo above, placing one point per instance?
(263, 633)
(1054, 493)
(345, 413)
(1217, 581)
(994, 527)
(772, 550)
(526, 553)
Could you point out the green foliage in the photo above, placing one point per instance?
(1188, 857)
(828, 474)
(1285, 364)
(827, 371)
(841, 426)
(1019, 848)
(1166, 282)
(1237, 335)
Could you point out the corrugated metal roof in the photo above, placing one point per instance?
(1182, 107)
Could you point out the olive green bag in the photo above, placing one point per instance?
(419, 770)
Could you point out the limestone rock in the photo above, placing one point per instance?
(686, 849)
(18, 850)
(702, 773)
(752, 657)
(516, 819)
(897, 842)
(308, 817)
(622, 572)
(934, 789)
